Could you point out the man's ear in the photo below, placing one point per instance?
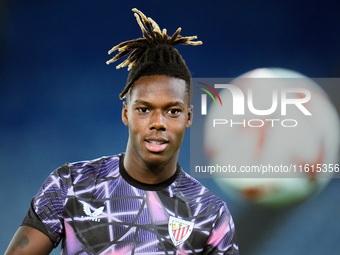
(124, 114)
(190, 116)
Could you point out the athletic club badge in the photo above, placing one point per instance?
(179, 230)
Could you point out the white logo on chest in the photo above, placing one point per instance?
(92, 214)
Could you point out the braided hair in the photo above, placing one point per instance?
(154, 54)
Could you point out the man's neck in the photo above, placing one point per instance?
(149, 174)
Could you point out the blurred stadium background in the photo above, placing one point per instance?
(59, 100)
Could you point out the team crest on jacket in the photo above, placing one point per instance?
(179, 230)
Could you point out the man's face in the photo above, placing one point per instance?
(157, 113)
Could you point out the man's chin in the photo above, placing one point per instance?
(153, 159)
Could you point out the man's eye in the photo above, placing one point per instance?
(174, 111)
(142, 110)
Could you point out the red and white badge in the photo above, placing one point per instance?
(179, 230)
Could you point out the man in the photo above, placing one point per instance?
(141, 201)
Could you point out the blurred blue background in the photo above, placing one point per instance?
(59, 100)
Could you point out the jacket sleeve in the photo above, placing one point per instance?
(47, 207)
(223, 239)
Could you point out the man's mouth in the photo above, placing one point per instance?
(156, 145)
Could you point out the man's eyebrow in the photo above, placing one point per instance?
(170, 104)
(138, 101)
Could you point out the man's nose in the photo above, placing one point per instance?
(158, 121)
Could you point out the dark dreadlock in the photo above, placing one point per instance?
(154, 54)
